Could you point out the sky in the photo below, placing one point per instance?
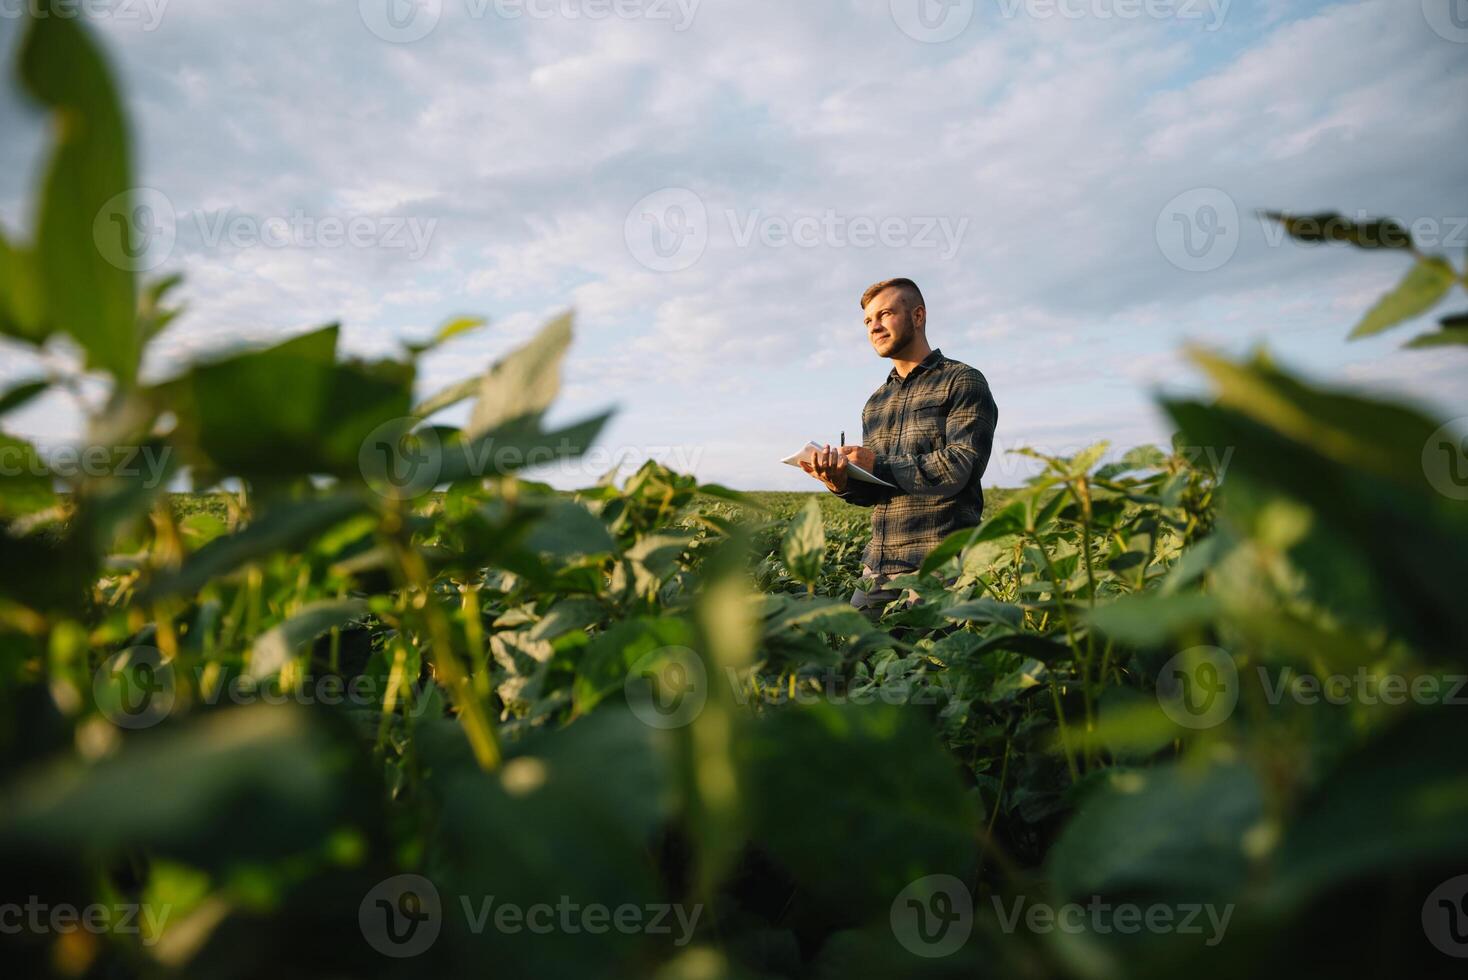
(711, 184)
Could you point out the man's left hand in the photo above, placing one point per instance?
(861, 456)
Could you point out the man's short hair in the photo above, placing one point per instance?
(910, 292)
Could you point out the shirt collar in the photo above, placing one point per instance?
(934, 356)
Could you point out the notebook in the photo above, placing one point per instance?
(808, 453)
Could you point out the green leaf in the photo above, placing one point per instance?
(985, 610)
(1170, 833)
(1330, 226)
(86, 286)
(524, 383)
(566, 615)
(603, 666)
(825, 782)
(1419, 291)
(21, 394)
(1150, 620)
(25, 481)
(1399, 803)
(1446, 337)
(274, 648)
(516, 445)
(261, 782)
(21, 304)
(815, 615)
(804, 546)
(233, 416)
(451, 395)
(450, 330)
(1377, 435)
(566, 529)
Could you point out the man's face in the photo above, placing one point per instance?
(890, 321)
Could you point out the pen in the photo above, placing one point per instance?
(843, 438)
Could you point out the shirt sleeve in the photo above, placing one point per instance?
(863, 494)
(860, 492)
(969, 439)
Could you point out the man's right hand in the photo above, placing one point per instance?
(828, 466)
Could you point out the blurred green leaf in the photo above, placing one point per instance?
(1425, 283)
(522, 384)
(1330, 226)
(84, 228)
(825, 782)
(1171, 833)
(274, 648)
(804, 544)
(1446, 337)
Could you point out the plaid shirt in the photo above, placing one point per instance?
(932, 433)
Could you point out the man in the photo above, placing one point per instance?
(928, 430)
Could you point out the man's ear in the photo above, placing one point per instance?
(920, 319)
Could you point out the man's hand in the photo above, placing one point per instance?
(861, 456)
(829, 466)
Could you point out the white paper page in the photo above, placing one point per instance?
(808, 453)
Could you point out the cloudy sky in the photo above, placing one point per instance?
(710, 184)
